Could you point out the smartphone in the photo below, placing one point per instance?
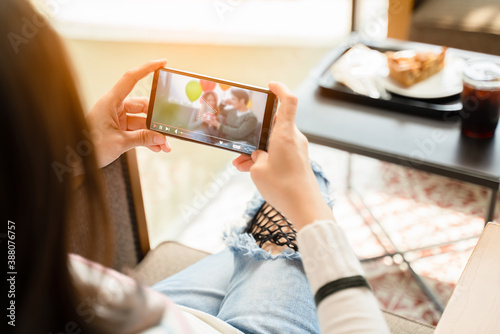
(211, 111)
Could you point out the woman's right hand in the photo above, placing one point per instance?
(283, 174)
(118, 122)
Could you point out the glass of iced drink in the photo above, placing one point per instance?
(480, 99)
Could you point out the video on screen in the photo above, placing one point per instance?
(208, 112)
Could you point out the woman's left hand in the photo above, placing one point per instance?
(116, 121)
(215, 123)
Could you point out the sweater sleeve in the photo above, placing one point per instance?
(194, 120)
(327, 256)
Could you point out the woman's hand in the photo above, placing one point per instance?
(283, 175)
(117, 123)
(210, 120)
(214, 122)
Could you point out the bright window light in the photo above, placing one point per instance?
(235, 22)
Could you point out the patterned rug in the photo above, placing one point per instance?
(416, 210)
(393, 209)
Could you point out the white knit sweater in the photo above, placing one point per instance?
(327, 256)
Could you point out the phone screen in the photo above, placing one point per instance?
(209, 111)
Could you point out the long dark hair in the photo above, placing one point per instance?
(44, 144)
(216, 97)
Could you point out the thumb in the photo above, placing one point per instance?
(288, 104)
(259, 156)
(143, 137)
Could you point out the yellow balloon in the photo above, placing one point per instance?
(193, 90)
(249, 104)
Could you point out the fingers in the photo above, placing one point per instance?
(246, 166)
(136, 122)
(146, 138)
(243, 163)
(128, 81)
(158, 148)
(288, 108)
(136, 105)
(259, 169)
(259, 157)
(155, 149)
(240, 159)
(166, 147)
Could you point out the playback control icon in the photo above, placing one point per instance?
(161, 127)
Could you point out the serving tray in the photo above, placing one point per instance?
(436, 108)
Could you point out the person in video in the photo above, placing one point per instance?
(237, 122)
(209, 110)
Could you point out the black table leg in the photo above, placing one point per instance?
(490, 212)
(390, 247)
(354, 13)
(393, 251)
(349, 172)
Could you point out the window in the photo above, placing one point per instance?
(235, 22)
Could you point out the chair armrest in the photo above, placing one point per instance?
(166, 259)
(129, 232)
(135, 196)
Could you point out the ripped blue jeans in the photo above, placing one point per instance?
(247, 287)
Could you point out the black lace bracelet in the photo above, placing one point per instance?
(338, 285)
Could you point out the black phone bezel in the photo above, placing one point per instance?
(266, 128)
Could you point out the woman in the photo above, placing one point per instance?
(208, 110)
(47, 143)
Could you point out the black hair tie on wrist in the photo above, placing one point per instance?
(338, 285)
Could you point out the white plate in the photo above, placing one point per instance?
(445, 83)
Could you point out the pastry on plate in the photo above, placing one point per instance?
(409, 67)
